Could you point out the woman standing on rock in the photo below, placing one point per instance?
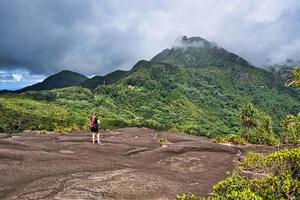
(94, 126)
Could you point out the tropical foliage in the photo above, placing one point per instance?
(294, 77)
(291, 129)
(257, 126)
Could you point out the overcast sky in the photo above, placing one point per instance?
(42, 37)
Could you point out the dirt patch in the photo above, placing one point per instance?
(130, 164)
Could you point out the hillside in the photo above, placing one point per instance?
(110, 78)
(195, 87)
(62, 79)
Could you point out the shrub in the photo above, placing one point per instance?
(190, 129)
(42, 132)
(232, 138)
(150, 123)
(291, 129)
(258, 126)
(253, 162)
(248, 115)
(274, 163)
(282, 186)
(163, 140)
(110, 123)
(264, 132)
(183, 196)
(237, 187)
(174, 130)
(284, 160)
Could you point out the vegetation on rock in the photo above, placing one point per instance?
(281, 179)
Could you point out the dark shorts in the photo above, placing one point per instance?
(94, 129)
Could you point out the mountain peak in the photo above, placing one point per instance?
(198, 52)
(193, 42)
(192, 39)
(65, 72)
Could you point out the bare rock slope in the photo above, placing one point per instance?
(130, 164)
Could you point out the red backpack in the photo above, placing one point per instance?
(92, 122)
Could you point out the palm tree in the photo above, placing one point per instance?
(294, 77)
(291, 126)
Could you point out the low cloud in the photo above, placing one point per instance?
(195, 42)
(282, 55)
(97, 36)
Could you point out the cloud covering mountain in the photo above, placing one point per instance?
(97, 36)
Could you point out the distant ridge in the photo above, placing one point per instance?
(110, 78)
(62, 79)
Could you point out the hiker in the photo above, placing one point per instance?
(94, 125)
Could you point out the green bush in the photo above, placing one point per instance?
(291, 129)
(190, 128)
(274, 163)
(150, 123)
(281, 186)
(253, 162)
(234, 139)
(236, 187)
(184, 196)
(258, 126)
(284, 160)
(111, 123)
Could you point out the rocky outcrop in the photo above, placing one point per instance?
(130, 164)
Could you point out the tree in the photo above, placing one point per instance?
(291, 125)
(264, 133)
(294, 77)
(258, 126)
(248, 116)
(291, 129)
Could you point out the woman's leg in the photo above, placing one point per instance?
(93, 137)
(98, 138)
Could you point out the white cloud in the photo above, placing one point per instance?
(268, 11)
(280, 55)
(17, 77)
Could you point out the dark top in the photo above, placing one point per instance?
(95, 127)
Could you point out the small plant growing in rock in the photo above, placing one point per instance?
(163, 141)
(42, 132)
(174, 130)
(184, 196)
